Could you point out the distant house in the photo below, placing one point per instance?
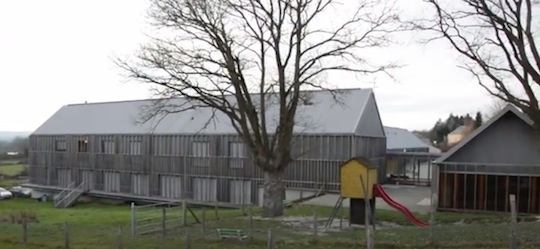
(402, 140)
(458, 134)
(498, 159)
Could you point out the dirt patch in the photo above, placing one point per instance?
(306, 224)
(19, 217)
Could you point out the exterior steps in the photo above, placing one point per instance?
(69, 195)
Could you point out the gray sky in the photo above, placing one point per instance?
(59, 52)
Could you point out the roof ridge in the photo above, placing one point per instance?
(180, 97)
(508, 108)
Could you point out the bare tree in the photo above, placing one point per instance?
(494, 107)
(498, 42)
(241, 57)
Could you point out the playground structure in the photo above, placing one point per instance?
(358, 178)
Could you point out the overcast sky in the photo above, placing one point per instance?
(59, 52)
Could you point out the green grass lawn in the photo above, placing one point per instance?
(11, 169)
(97, 226)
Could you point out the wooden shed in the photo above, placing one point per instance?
(500, 158)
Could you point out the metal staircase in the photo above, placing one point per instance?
(69, 195)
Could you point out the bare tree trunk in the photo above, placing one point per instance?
(274, 194)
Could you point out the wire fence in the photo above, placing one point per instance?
(252, 231)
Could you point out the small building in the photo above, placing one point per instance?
(402, 140)
(197, 153)
(408, 159)
(500, 158)
(458, 134)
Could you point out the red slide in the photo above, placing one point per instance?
(378, 191)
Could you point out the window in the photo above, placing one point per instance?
(236, 155)
(60, 145)
(201, 153)
(82, 146)
(108, 147)
(135, 147)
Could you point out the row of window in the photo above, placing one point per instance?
(198, 149)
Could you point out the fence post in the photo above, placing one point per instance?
(432, 218)
(66, 235)
(133, 220)
(25, 230)
(270, 239)
(216, 210)
(184, 212)
(513, 223)
(120, 237)
(188, 239)
(203, 222)
(315, 223)
(340, 217)
(250, 225)
(164, 221)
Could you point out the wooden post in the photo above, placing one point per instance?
(432, 218)
(341, 216)
(25, 230)
(66, 235)
(270, 239)
(203, 223)
(133, 220)
(164, 221)
(120, 238)
(369, 229)
(315, 223)
(301, 193)
(188, 239)
(513, 223)
(506, 188)
(184, 212)
(250, 225)
(216, 210)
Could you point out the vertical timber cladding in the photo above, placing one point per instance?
(88, 178)
(111, 181)
(205, 189)
(64, 177)
(170, 186)
(240, 192)
(140, 184)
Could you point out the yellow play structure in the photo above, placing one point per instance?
(358, 176)
(351, 172)
(359, 183)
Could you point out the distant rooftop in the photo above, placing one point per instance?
(398, 138)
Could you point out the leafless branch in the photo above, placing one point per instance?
(497, 38)
(243, 57)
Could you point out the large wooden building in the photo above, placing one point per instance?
(500, 158)
(196, 154)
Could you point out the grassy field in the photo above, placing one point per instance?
(11, 169)
(97, 226)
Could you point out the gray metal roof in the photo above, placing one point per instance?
(479, 130)
(397, 138)
(325, 114)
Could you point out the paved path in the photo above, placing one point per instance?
(415, 198)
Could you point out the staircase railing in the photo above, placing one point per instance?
(72, 196)
(60, 196)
